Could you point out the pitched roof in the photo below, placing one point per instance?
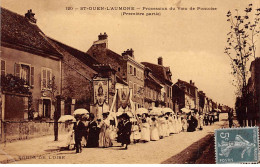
(185, 83)
(19, 33)
(159, 71)
(82, 56)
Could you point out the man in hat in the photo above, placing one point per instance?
(79, 129)
(126, 130)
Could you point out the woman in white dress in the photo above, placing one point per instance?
(175, 124)
(171, 126)
(70, 138)
(154, 129)
(184, 124)
(179, 124)
(161, 123)
(166, 128)
(145, 128)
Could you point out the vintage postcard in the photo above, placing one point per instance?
(130, 82)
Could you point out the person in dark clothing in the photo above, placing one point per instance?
(193, 123)
(79, 129)
(211, 119)
(230, 119)
(120, 129)
(126, 130)
(93, 135)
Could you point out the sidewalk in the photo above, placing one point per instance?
(34, 147)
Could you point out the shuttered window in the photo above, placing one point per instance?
(46, 78)
(17, 69)
(3, 68)
(32, 76)
(25, 72)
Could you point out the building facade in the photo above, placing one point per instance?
(162, 74)
(127, 68)
(152, 90)
(30, 62)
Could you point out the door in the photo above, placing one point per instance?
(46, 106)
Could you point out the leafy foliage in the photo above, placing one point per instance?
(14, 84)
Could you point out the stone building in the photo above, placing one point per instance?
(152, 90)
(127, 68)
(162, 74)
(77, 72)
(185, 94)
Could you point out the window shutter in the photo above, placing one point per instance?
(48, 85)
(32, 76)
(3, 67)
(17, 69)
(43, 79)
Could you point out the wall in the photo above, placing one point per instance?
(30, 129)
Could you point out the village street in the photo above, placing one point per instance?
(152, 152)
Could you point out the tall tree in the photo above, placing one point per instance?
(241, 44)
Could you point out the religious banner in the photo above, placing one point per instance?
(100, 91)
(124, 97)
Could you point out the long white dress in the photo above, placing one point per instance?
(166, 128)
(160, 127)
(175, 129)
(145, 131)
(179, 125)
(154, 130)
(70, 139)
(171, 125)
(136, 133)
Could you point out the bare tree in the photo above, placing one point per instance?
(241, 41)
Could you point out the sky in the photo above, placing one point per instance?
(191, 42)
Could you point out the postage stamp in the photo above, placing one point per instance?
(237, 145)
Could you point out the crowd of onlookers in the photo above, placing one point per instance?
(127, 128)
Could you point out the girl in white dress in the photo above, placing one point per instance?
(145, 129)
(154, 129)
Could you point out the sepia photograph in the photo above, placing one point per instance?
(130, 82)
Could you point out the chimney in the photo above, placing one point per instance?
(30, 16)
(160, 61)
(102, 36)
(129, 52)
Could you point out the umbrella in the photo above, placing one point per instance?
(80, 111)
(65, 118)
(141, 111)
(186, 110)
(156, 111)
(167, 110)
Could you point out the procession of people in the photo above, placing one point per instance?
(129, 127)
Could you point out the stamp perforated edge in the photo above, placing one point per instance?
(249, 127)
